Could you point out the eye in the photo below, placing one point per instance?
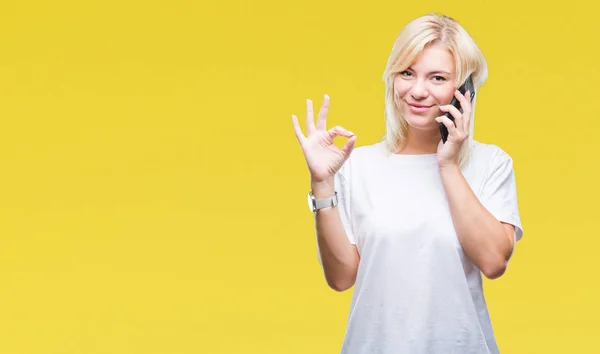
(439, 78)
(405, 73)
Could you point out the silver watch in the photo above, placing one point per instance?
(316, 204)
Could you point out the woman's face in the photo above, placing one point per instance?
(426, 85)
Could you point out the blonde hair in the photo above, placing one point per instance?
(410, 43)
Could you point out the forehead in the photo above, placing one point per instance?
(435, 57)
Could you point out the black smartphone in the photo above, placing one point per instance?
(468, 85)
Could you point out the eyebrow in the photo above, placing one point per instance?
(432, 72)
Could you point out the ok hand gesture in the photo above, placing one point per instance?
(323, 158)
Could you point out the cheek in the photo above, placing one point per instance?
(401, 86)
(444, 96)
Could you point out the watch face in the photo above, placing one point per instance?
(311, 204)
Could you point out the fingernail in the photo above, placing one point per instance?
(326, 97)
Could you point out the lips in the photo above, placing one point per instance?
(418, 105)
(418, 108)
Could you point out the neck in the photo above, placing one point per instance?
(421, 142)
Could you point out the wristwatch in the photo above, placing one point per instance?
(316, 204)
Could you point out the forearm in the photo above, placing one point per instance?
(481, 235)
(339, 257)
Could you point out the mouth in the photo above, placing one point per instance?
(418, 108)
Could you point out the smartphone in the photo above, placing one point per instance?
(468, 85)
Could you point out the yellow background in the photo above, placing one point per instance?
(153, 195)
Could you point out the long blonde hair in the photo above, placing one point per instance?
(410, 43)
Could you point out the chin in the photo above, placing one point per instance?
(421, 122)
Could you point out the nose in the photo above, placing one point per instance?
(419, 90)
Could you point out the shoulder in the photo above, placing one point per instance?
(369, 150)
(485, 154)
(364, 153)
(485, 161)
(362, 156)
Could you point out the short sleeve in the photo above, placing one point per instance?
(344, 193)
(499, 193)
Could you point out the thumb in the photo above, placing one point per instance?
(349, 146)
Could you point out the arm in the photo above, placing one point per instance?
(339, 258)
(487, 242)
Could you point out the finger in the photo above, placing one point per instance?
(468, 96)
(455, 114)
(347, 149)
(466, 104)
(448, 124)
(297, 130)
(322, 118)
(466, 122)
(339, 131)
(464, 101)
(310, 117)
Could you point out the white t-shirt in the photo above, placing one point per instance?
(416, 291)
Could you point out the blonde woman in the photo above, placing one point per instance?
(412, 222)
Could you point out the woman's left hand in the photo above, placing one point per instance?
(448, 152)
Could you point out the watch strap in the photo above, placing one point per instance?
(324, 202)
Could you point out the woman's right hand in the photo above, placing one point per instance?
(323, 158)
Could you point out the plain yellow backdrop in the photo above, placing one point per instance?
(153, 195)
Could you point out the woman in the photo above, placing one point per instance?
(412, 222)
